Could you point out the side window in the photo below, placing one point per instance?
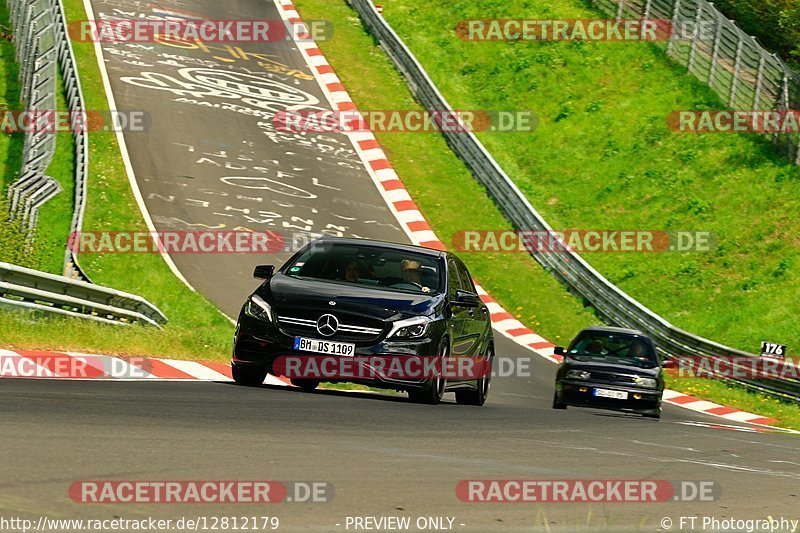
(453, 278)
(465, 278)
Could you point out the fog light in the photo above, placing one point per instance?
(637, 396)
(584, 389)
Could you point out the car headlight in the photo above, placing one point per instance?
(410, 328)
(578, 374)
(256, 307)
(648, 383)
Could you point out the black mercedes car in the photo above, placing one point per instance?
(611, 368)
(384, 315)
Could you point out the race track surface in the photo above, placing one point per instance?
(208, 163)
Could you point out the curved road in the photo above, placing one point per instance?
(208, 161)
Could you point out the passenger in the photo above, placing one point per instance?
(412, 271)
(355, 270)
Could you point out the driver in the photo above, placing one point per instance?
(595, 347)
(412, 271)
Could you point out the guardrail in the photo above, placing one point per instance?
(716, 51)
(611, 304)
(75, 103)
(43, 45)
(34, 39)
(25, 288)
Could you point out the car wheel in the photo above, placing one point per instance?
(557, 404)
(652, 413)
(434, 391)
(307, 385)
(250, 376)
(481, 392)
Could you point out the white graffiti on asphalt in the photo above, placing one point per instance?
(204, 82)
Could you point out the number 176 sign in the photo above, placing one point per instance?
(771, 349)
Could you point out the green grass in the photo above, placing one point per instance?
(439, 182)
(55, 216)
(197, 330)
(451, 200)
(603, 157)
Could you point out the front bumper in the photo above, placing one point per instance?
(260, 344)
(581, 393)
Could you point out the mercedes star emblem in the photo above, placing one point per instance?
(327, 325)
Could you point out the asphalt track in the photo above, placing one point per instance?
(383, 455)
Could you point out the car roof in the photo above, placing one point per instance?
(384, 244)
(612, 329)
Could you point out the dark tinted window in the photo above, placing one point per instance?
(464, 277)
(369, 266)
(614, 346)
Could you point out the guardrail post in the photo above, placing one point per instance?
(759, 82)
(675, 19)
(712, 75)
(736, 69)
(695, 36)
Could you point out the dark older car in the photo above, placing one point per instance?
(610, 368)
(377, 305)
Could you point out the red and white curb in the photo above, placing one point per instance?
(420, 232)
(35, 364)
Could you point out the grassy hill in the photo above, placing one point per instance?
(603, 157)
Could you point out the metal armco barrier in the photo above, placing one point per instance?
(610, 303)
(75, 102)
(34, 38)
(31, 289)
(43, 45)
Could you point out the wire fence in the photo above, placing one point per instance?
(716, 51)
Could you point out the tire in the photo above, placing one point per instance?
(306, 385)
(557, 404)
(481, 392)
(433, 393)
(652, 413)
(249, 376)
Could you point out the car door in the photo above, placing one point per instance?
(459, 315)
(475, 322)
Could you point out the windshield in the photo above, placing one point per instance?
(368, 266)
(629, 349)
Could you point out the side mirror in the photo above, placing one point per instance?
(669, 363)
(466, 299)
(559, 350)
(263, 271)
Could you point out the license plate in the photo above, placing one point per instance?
(326, 347)
(616, 394)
